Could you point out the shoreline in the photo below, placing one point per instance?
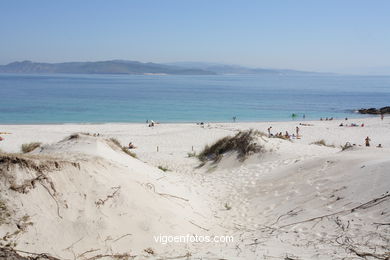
(188, 122)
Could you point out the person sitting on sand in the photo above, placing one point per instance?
(341, 124)
(367, 141)
(131, 146)
(287, 135)
(380, 146)
(1, 138)
(362, 125)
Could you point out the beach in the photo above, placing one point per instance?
(302, 198)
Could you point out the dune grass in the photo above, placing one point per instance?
(346, 146)
(164, 169)
(242, 143)
(26, 148)
(123, 148)
(322, 143)
(191, 154)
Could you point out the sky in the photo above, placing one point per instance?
(313, 35)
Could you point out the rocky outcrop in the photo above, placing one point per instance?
(375, 111)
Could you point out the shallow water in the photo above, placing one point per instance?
(134, 98)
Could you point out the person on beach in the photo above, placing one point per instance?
(293, 116)
(367, 141)
(269, 131)
(382, 116)
(234, 119)
(287, 135)
(1, 138)
(131, 146)
(379, 146)
(297, 130)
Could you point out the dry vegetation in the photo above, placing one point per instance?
(243, 143)
(123, 148)
(26, 148)
(163, 168)
(346, 146)
(4, 213)
(322, 143)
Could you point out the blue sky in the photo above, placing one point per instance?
(318, 35)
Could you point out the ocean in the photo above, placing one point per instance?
(29, 99)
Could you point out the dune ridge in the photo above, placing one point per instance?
(288, 200)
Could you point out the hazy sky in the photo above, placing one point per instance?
(320, 35)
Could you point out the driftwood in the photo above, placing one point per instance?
(101, 202)
(366, 205)
(152, 187)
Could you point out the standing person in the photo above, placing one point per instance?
(382, 116)
(368, 141)
(234, 119)
(297, 130)
(293, 116)
(269, 131)
(304, 116)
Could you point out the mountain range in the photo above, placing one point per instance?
(136, 68)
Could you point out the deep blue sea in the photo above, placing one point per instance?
(132, 98)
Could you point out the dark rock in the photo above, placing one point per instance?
(375, 111)
(385, 110)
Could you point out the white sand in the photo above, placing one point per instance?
(97, 200)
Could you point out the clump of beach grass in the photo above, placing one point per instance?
(127, 151)
(346, 146)
(227, 206)
(123, 148)
(322, 143)
(191, 154)
(26, 148)
(163, 168)
(116, 142)
(242, 143)
(4, 213)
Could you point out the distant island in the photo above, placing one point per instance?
(137, 68)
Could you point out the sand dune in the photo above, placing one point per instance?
(84, 198)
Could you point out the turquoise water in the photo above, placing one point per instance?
(130, 98)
